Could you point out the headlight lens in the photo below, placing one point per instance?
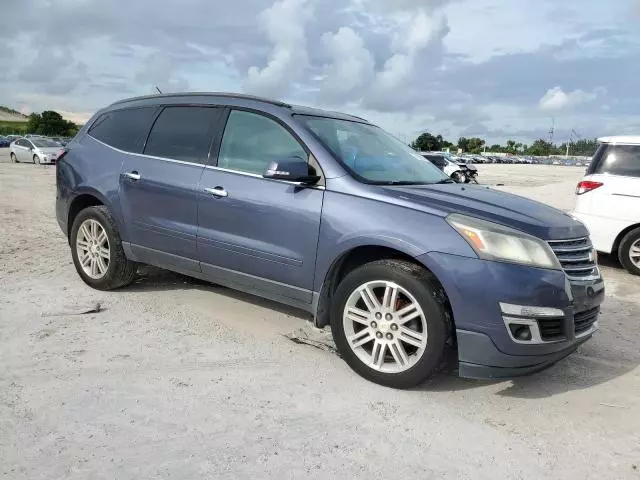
(492, 241)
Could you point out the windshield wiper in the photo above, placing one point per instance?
(444, 180)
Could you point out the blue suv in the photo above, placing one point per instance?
(330, 214)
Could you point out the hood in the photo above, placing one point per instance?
(517, 212)
(49, 150)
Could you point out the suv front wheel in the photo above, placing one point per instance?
(97, 250)
(390, 322)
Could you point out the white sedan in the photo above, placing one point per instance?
(36, 150)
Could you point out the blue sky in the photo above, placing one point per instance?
(496, 69)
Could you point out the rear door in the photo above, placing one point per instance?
(254, 233)
(159, 189)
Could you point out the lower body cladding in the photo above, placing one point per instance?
(514, 320)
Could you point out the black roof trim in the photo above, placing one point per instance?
(207, 94)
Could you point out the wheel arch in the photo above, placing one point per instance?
(84, 199)
(351, 258)
(621, 235)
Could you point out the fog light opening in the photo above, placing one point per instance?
(520, 332)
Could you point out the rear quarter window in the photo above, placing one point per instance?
(124, 129)
(621, 160)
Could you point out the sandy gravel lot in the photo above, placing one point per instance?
(176, 378)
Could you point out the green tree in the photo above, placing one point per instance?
(447, 144)
(50, 123)
(512, 147)
(427, 142)
(540, 148)
(585, 147)
(475, 145)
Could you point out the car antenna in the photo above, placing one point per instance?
(159, 91)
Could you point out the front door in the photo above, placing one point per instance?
(23, 150)
(159, 190)
(257, 234)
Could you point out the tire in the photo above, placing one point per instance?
(458, 177)
(119, 270)
(36, 160)
(435, 321)
(629, 245)
(14, 159)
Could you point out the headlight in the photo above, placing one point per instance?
(492, 241)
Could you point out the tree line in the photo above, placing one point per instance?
(428, 142)
(48, 123)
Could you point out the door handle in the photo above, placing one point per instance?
(217, 191)
(135, 176)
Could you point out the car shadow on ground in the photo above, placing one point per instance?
(611, 353)
(609, 261)
(156, 279)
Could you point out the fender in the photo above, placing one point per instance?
(112, 202)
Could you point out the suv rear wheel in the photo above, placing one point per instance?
(390, 322)
(629, 251)
(97, 251)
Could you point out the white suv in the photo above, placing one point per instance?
(608, 199)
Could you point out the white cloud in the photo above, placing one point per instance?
(284, 23)
(557, 99)
(159, 70)
(418, 31)
(352, 65)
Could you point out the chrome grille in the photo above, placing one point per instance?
(576, 257)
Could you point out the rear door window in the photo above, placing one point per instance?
(621, 160)
(124, 129)
(182, 133)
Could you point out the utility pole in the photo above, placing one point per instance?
(551, 130)
(573, 134)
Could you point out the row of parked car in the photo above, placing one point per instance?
(7, 140)
(512, 159)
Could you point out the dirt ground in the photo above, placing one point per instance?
(175, 378)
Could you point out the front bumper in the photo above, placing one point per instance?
(476, 289)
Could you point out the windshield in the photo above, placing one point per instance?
(45, 143)
(371, 154)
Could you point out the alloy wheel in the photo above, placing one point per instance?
(92, 246)
(634, 253)
(385, 326)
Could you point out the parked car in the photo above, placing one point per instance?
(449, 167)
(466, 165)
(608, 199)
(35, 149)
(4, 142)
(330, 214)
(61, 140)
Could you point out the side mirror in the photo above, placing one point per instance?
(292, 169)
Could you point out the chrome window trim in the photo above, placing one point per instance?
(209, 167)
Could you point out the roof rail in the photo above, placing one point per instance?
(207, 94)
